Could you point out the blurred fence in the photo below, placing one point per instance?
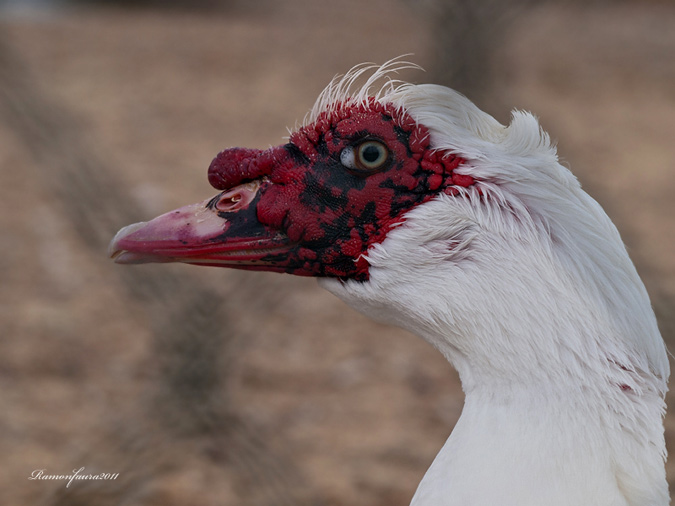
(195, 336)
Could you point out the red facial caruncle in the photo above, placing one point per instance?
(320, 201)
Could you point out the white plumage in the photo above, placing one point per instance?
(522, 282)
(529, 292)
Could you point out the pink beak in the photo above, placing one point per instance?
(223, 231)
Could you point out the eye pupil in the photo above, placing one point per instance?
(371, 153)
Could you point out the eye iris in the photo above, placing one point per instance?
(372, 154)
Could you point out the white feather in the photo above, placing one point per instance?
(528, 291)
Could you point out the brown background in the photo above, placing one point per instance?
(207, 386)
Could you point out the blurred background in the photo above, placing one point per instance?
(216, 387)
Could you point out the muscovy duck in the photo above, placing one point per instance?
(420, 210)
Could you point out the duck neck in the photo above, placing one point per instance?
(527, 445)
(510, 450)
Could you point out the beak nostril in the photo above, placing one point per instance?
(237, 198)
(228, 202)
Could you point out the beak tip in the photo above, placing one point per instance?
(117, 253)
(124, 257)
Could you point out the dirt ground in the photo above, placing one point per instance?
(283, 395)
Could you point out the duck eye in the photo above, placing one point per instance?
(372, 154)
(368, 156)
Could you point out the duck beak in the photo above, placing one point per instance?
(223, 231)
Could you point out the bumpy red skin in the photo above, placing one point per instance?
(331, 213)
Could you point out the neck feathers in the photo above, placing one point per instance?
(523, 283)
